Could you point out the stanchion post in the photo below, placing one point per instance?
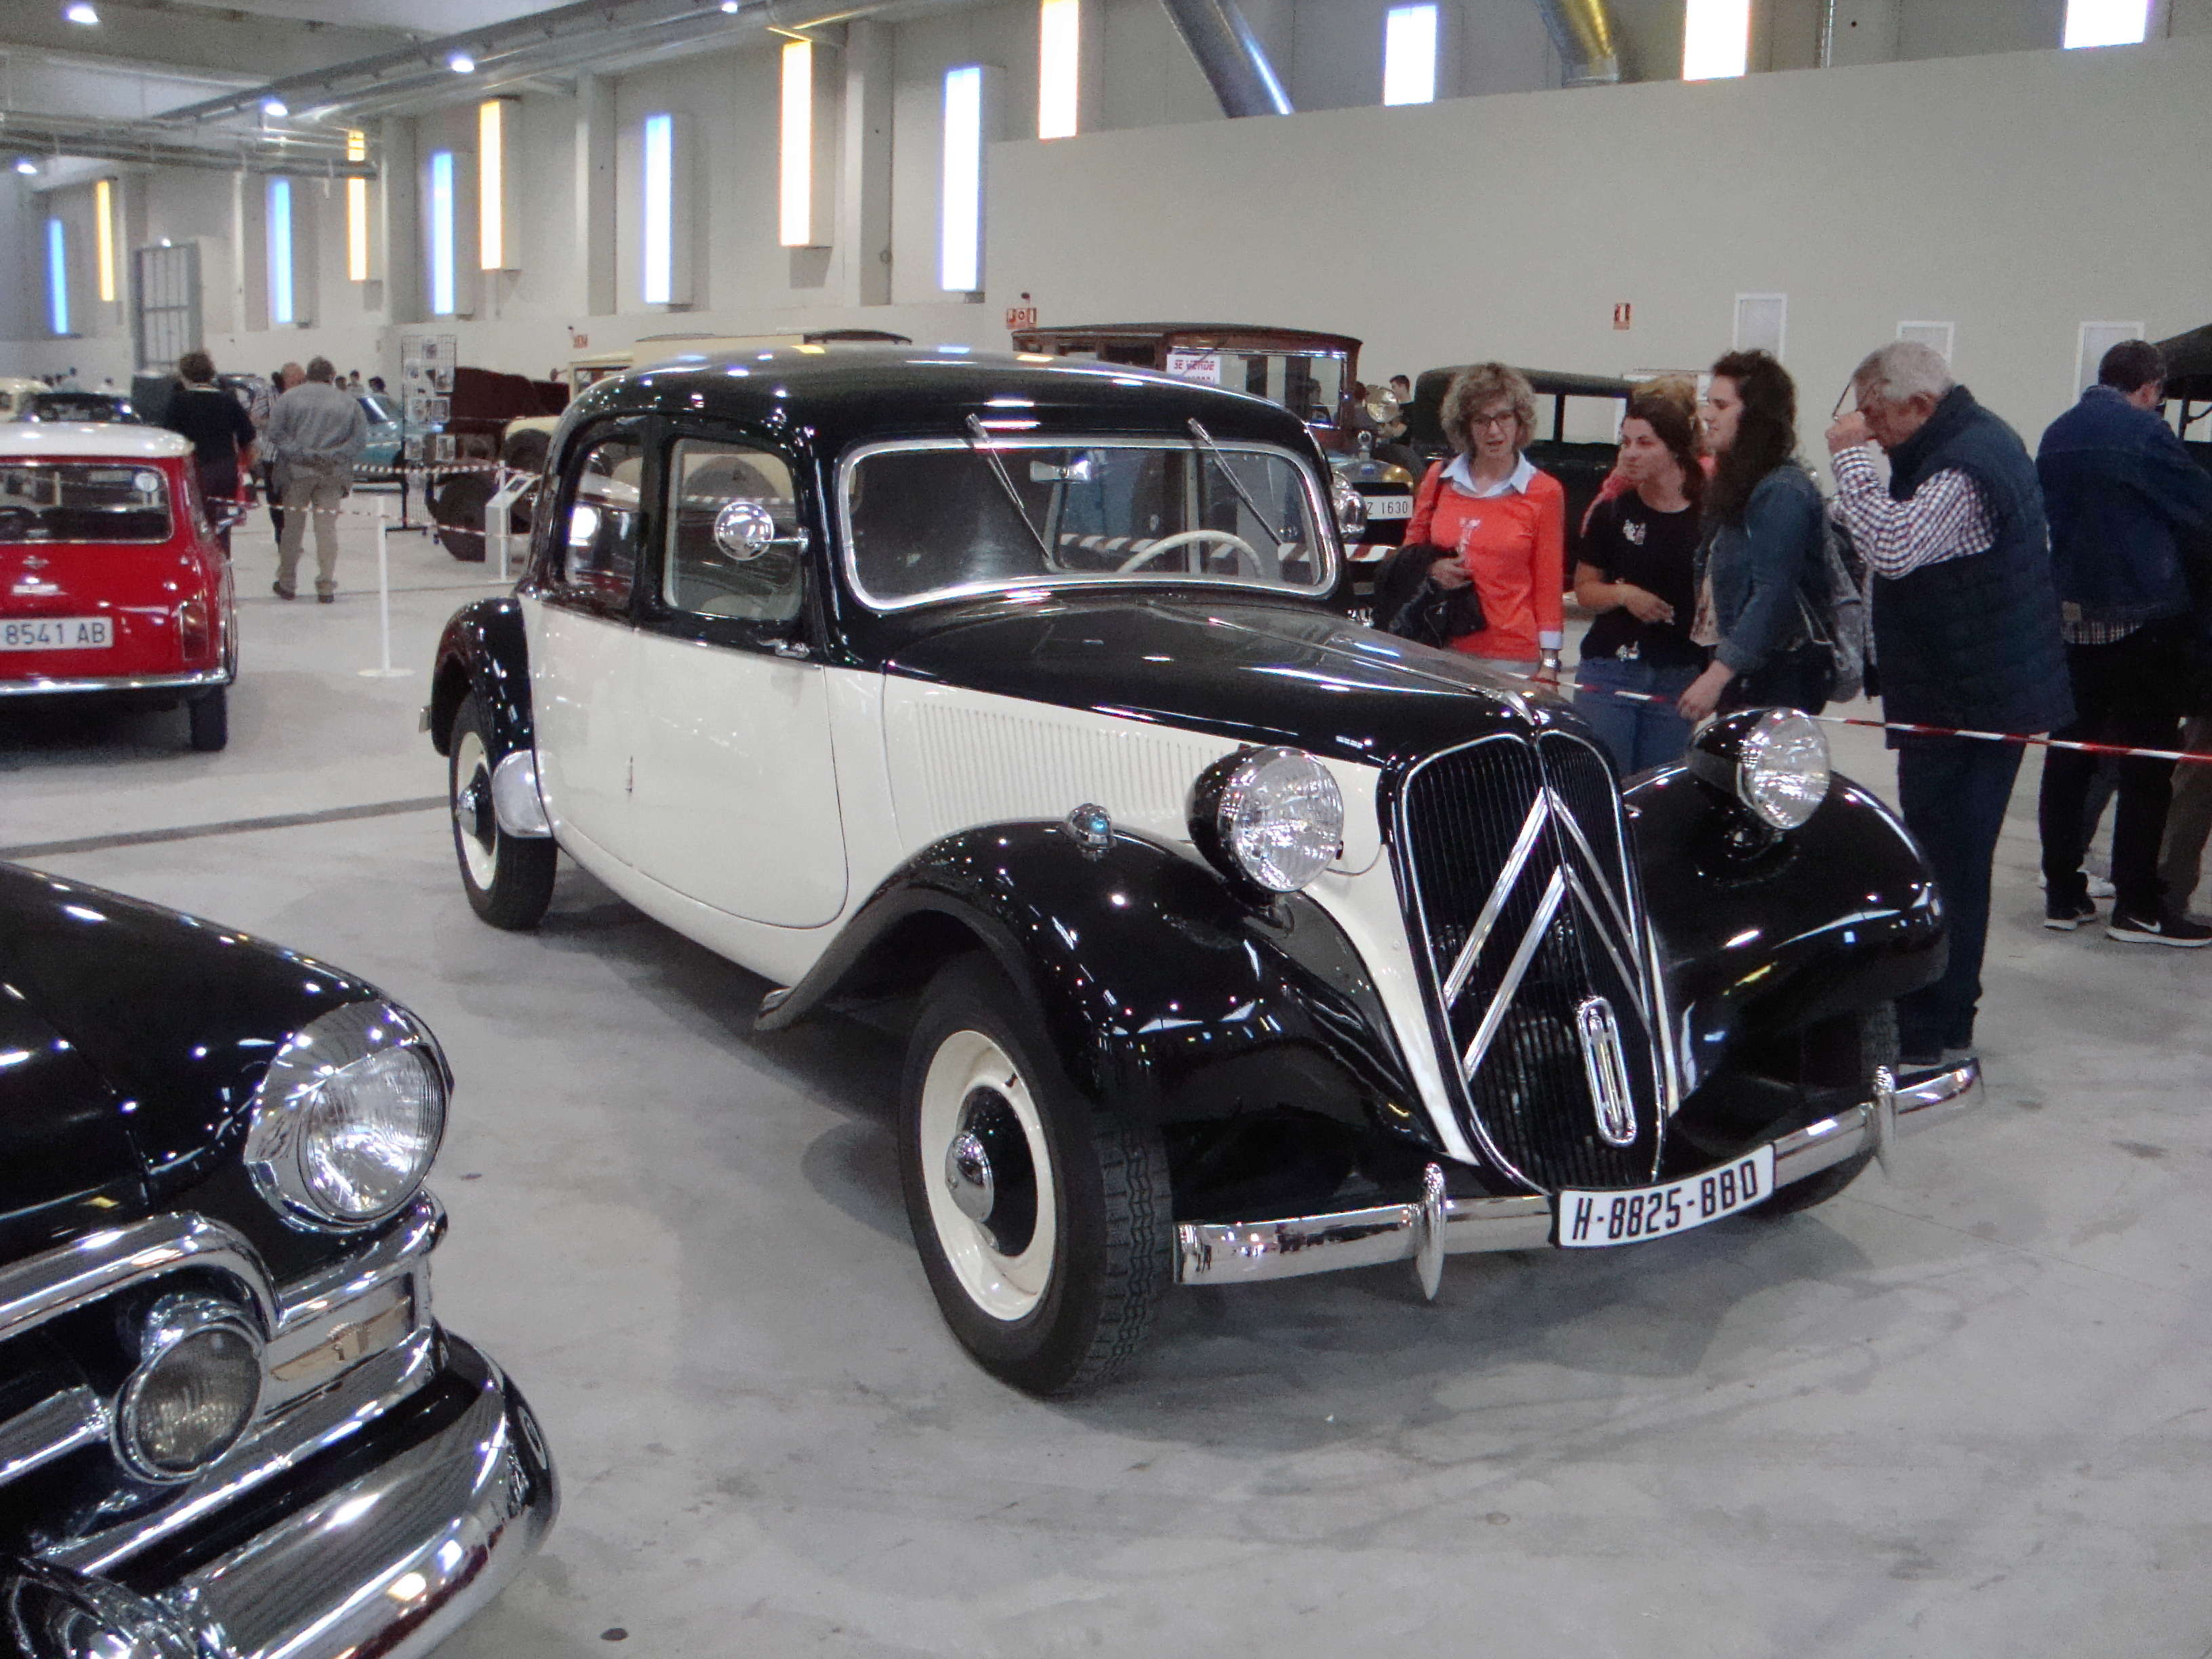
(385, 670)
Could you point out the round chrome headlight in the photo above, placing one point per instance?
(1350, 507)
(1781, 767)
(1274, 818)
(197, 1383)
(348, 1117)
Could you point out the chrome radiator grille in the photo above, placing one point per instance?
(1513, 861)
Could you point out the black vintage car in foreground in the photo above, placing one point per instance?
(229, 1424)
(1240, 941)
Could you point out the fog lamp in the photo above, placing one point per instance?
(197, 1383)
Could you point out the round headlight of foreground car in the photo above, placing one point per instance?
(1774, 761)
(197, 1383)
(1271, 817)
(348, 1117)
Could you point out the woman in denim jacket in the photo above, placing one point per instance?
(1760, 567)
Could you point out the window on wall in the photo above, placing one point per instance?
(1059, 66)
(960, 227)
(356, 211)
(282, 310)
(1409, 55)
(2107, 23)
(57, 291)
(1715, 38)
(443, 301)
(103, 235)
(657, 282)
(795, 185)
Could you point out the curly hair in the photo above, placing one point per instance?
(1664, 412)
(1481, 384)
(1765, 432)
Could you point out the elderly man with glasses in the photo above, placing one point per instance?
(1966, 628)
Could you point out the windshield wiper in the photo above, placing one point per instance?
(1206, 441)
(979, 441)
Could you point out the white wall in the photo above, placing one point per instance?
(2017, 196)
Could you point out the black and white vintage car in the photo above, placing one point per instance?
(1242, 941)
(229, 1424)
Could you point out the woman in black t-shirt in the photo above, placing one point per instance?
(1637, 572)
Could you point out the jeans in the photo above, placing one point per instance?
(2189, 820)
(1638, 735)
(1954, 792)
(320, 486)
(2125, 693)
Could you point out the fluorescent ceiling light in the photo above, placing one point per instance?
(280, 251)
(461, 63)
(57, 275)
(103, 230)
(1059, 66)
(795, 201)
(80, 13)
(960, 214)
(1715, 38)
(356, 211)
(26, 166)
(441, 233)
(2107, 23)
(275, 108)
(1409, 55)
(659, 241)
(491, 184)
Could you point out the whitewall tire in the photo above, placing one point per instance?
(508, 878)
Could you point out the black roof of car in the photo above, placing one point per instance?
(857, 394)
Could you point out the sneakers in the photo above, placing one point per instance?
(282, 592)
(2099, 887)
(2165, 929)
(2065, 915)
(326, 596)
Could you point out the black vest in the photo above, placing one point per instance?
(1973, 641)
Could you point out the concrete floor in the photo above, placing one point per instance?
(1959, 1413)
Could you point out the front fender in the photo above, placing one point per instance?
(1838, 915)
(1163, 993)
(485, 650)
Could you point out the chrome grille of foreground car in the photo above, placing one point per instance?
(1512, 857)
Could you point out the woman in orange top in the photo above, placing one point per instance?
(1498, 522)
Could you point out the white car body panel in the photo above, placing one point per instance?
(583, 690)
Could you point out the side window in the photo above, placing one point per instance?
(735, 547)
(598, 546)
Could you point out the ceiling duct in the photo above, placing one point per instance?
(1231, 57)
(105, 139)
(1588, 42)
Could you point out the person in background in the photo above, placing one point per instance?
(222, 434)
(2121, 492)
(1966, 628)
(272, 481)
(1683, 389)
(69, 381)
(1638, 571)
(317, 430)
(353, 379)
(376, 383)
(1761, 572)
(1496, 522)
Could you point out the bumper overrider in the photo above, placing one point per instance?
(1435, 1226)
(370, 1515)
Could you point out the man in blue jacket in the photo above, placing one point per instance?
(2121, 493)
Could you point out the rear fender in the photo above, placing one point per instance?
(485, 651)
(1164, 993)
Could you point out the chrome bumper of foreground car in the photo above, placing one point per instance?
(387, 1562)
(198, 677)
(1243, 1252)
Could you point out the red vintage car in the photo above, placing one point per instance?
(111, 583)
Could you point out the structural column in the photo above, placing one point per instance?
(399, 203)
(863, 202)
(595, 192)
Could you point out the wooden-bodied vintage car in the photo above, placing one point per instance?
(111, 585)
(228, 1423)
(1243, 941)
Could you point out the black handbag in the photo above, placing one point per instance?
(1409, 604)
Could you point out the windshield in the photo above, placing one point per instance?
(936, 519)
(79, 406)
(83, 502)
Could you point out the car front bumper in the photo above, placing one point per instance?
(378, 1548)
(1437, 1226)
